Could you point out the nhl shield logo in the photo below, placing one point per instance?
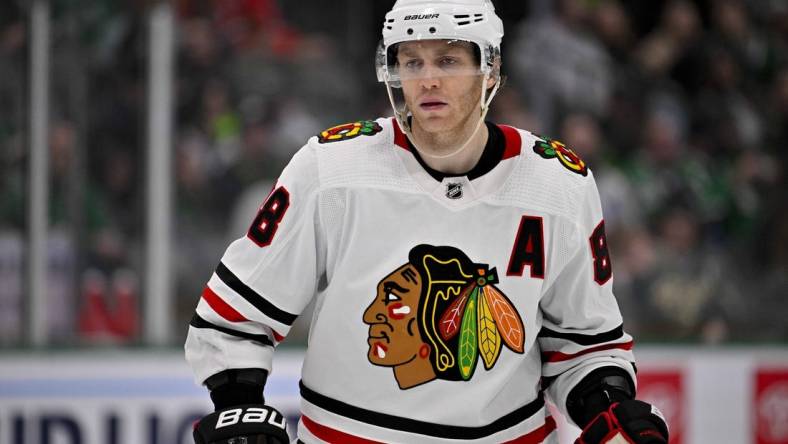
(454, 190)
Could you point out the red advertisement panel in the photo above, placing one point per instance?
(665, 388)
(771, 406)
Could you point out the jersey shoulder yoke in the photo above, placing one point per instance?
(549, 177)
(360, 153)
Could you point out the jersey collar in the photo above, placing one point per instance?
(458, 191)
(512, 142)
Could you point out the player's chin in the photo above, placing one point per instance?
(435, 122)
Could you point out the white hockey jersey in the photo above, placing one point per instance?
(442, 307)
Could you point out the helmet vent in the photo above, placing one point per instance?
(466, 19)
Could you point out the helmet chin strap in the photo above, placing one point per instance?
(402, 119)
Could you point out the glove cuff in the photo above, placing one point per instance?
(596, 392)
(236, 387)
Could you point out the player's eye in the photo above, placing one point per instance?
(448, 61)
(413, 64)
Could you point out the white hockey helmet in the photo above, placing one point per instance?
(473, 21)
(452, 21)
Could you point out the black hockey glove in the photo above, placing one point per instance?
(241, 416)
(626, 422)
(243, 424)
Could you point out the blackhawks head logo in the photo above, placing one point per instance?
(437, 315)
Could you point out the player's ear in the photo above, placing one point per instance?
(495, 73)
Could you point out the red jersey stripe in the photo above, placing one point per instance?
(332, 435)
(222, 308)
(400, 139)
(536, 436)
(513, 141)
(559, 357)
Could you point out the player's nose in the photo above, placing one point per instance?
(431, 77)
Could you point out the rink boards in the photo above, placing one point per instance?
(721, 395)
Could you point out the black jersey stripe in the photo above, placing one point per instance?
(199, 322)
(254, 298)
(584, 339)
(421, 427)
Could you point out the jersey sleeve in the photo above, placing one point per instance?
(582, 328)
(264, 279)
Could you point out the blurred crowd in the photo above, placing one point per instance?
(679, 107)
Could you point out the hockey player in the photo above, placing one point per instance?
(460, 271)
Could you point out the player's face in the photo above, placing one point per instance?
(394, 337)
(441, 83)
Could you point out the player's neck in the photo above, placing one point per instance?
(434, 146)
